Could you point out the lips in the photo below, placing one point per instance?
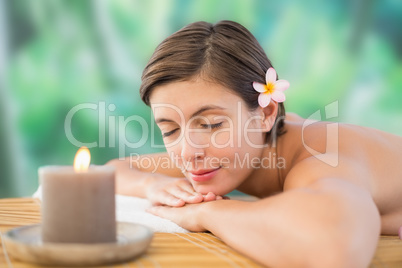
(204, 174)
(203, 171)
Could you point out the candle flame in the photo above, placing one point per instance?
(82, 159)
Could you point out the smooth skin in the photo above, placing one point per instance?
(310, 213)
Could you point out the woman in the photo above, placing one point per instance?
(327, 190)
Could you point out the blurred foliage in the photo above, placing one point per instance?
(59, 54)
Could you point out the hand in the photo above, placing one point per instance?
(187, 216)
(176, 193)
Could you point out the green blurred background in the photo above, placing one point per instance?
(57, 54)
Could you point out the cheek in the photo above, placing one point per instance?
(243, 132)
(223, 139)
(174, 155)
(254, 139)
(252, 135)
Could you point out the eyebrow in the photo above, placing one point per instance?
(198, 112)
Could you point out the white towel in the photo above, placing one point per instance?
(132, 209)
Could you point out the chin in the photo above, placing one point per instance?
(217, 190)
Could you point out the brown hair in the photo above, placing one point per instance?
(225, 52)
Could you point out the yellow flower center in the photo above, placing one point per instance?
(269, 88)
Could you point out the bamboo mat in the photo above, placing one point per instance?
(172, 250)
(166, 250)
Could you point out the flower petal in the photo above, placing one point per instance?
(281, 85)
(264, 99)
(278, 96)
(259, 87)
(270, 76)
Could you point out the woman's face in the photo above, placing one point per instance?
(209, 133)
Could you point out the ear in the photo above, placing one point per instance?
(269, 116)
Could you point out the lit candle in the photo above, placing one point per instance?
(78, 203)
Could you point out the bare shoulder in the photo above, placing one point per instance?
(351, 146)
(312, 169)
(363, 156)
(366, 157)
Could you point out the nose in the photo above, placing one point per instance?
(192, 147)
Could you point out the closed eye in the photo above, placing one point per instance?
(207, 126)
(167, 134)
(212, 126)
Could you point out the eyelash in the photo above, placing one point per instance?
(167, 134)
(212, 126)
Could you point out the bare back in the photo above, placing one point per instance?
(368, 157)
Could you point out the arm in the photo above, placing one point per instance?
(330, 223)
(133, 178)
(155, 177)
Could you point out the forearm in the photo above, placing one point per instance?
(301, 227)
(131, 181)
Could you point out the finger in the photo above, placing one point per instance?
(209, 197)
(157, 210)
(195, 198)
(165, 212)
(222, 197)
(165, 198)
(186, 186)
(185, 196)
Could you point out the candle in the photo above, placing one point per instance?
(78, 204)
